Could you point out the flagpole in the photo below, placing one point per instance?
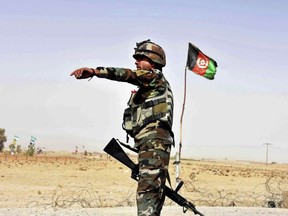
(194, 54)
(178, 154)
(182, 113)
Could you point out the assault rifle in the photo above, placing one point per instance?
(114, 149)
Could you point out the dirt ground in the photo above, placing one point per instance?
(66, 180)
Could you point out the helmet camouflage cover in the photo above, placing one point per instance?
(152, 51)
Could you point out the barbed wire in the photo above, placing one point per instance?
(81, 196)
(270, 191)
(267, 194)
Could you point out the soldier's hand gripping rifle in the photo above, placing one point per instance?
(114, 149)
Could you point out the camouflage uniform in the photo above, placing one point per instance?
(153, 140)
(154, 158)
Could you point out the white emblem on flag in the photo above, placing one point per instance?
(202, 63)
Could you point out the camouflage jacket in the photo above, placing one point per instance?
(151, 84)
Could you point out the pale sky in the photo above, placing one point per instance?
(231, 117)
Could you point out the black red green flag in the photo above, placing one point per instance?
(200, 63)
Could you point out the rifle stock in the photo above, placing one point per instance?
(114, 149)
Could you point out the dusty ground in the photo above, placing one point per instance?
(66, 181)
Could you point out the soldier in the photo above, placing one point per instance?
(148, 120)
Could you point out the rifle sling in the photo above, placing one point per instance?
(127, 146)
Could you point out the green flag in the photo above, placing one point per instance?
(200, 63)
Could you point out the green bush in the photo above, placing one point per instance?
(31, 150)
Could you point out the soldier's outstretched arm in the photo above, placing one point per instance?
(137, 77)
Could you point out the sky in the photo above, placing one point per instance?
(231, 117)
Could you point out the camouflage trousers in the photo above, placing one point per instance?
(154, 156)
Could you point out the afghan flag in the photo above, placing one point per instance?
(200, 63)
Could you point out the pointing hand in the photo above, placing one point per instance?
(83, 73)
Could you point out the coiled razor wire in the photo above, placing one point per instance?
(272, 191)
(87, 197)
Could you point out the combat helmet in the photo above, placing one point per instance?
(152, 51)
